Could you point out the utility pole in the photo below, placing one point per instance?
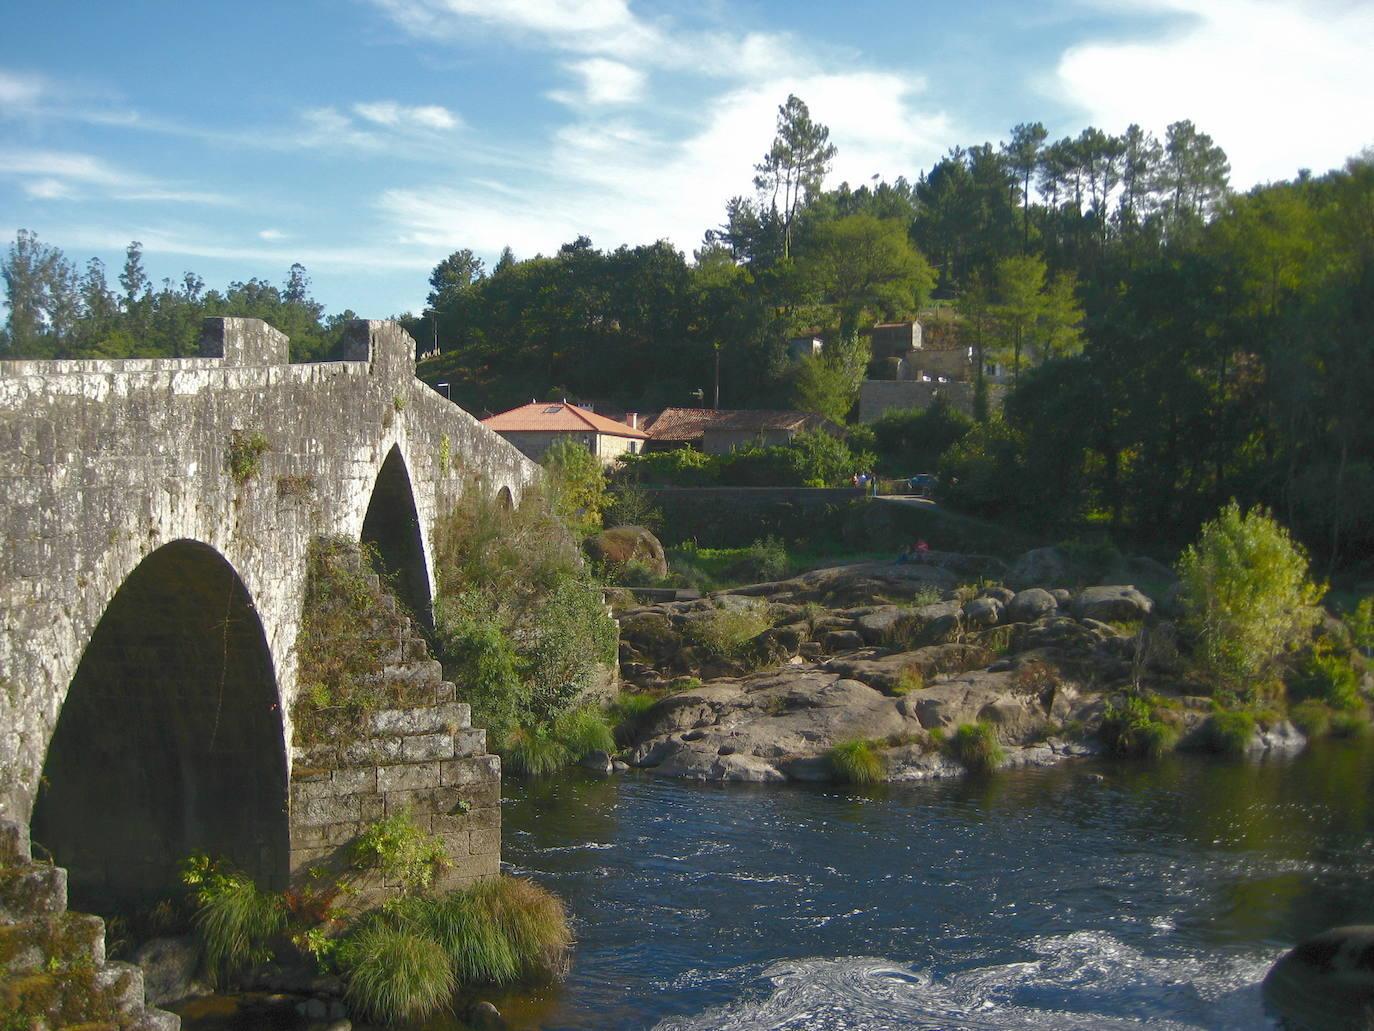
(717, 404)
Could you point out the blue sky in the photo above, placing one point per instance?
(368, 139)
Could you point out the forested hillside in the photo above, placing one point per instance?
(1174, 344)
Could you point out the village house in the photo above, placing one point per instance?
(718, 432)
(535, 427)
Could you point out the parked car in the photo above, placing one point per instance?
(923, 484)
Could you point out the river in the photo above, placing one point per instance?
(1085, 896)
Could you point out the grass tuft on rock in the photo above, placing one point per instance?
(975, 746)
(396, 973)
(1229, 733)
(1133, 728)
(856, 762)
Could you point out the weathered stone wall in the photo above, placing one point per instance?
(877, 397)
(104, 462)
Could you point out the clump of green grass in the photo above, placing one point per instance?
(1312, 717)
(534, 753)
(1229, 733)
(855, 762)
(910, 679)
(397, 974)
(234, 919)
(628, 706)
(1329, 676)
(584, 730)
(1134, 729)
(975, 746)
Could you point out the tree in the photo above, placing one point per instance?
(1023, 155)
(865, 266)
(1020, 281)
(43, 294)
(1193, 176)
(133, 279)
(297, 288)
(1245, 592)
(455, 273)
(795, 165)
(828, 383)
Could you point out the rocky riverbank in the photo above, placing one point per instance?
(900, 656)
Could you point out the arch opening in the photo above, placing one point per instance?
(170, 740)
(392, 529)
(504, 500)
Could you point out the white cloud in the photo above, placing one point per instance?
(18, 92)
(392, 115)
(63, 175)
(620, 183)
(604, 82)
(1279, 84)
(271, 234)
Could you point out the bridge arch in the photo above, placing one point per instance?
(169, 739)
(392, 527)
(505, 500)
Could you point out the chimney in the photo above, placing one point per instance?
(633, 419)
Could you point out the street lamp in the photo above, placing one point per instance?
(446, 393)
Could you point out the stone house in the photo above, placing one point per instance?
(720, 431)
(533, 429)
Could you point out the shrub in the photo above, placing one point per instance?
(1361, 624)
(396, 974)
(1229, 733)
(400, 851)
(577, 485)
(1327, 676)
(1132, 729)
(629, 505)
(764, 560)
(855, 762)
(910, 442)
(532, 919)
(1312, 717)
(571, 634)
(629, 707)
(1245, 592)
(725, 632)
(975, 745)
(235, 920)
(479, 651)
(1349, 724)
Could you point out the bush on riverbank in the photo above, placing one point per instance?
(1133, 728)
(235, 919)
(1245, 593)
(727, 632)
(1229, 733)
(521, 624)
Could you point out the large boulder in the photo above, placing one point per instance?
(1325, 982)
(1029, 605)
(1117, 602)
(622, 545)
(1040, 567)
(169, 968)
(982, 612)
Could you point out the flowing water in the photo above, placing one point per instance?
(1097, 896)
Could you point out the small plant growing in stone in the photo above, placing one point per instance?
(244, 457)
(295, 486)
(401, 852)
(398, 403)
(725, 632)
(445, 453)
(234, 919)
(929, 594)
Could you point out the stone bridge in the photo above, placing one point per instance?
(157, 516)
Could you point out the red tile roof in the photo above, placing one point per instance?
(558, 417)
(690, 423)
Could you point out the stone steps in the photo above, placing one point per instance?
(53, 968)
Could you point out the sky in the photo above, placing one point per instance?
(368, 139)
